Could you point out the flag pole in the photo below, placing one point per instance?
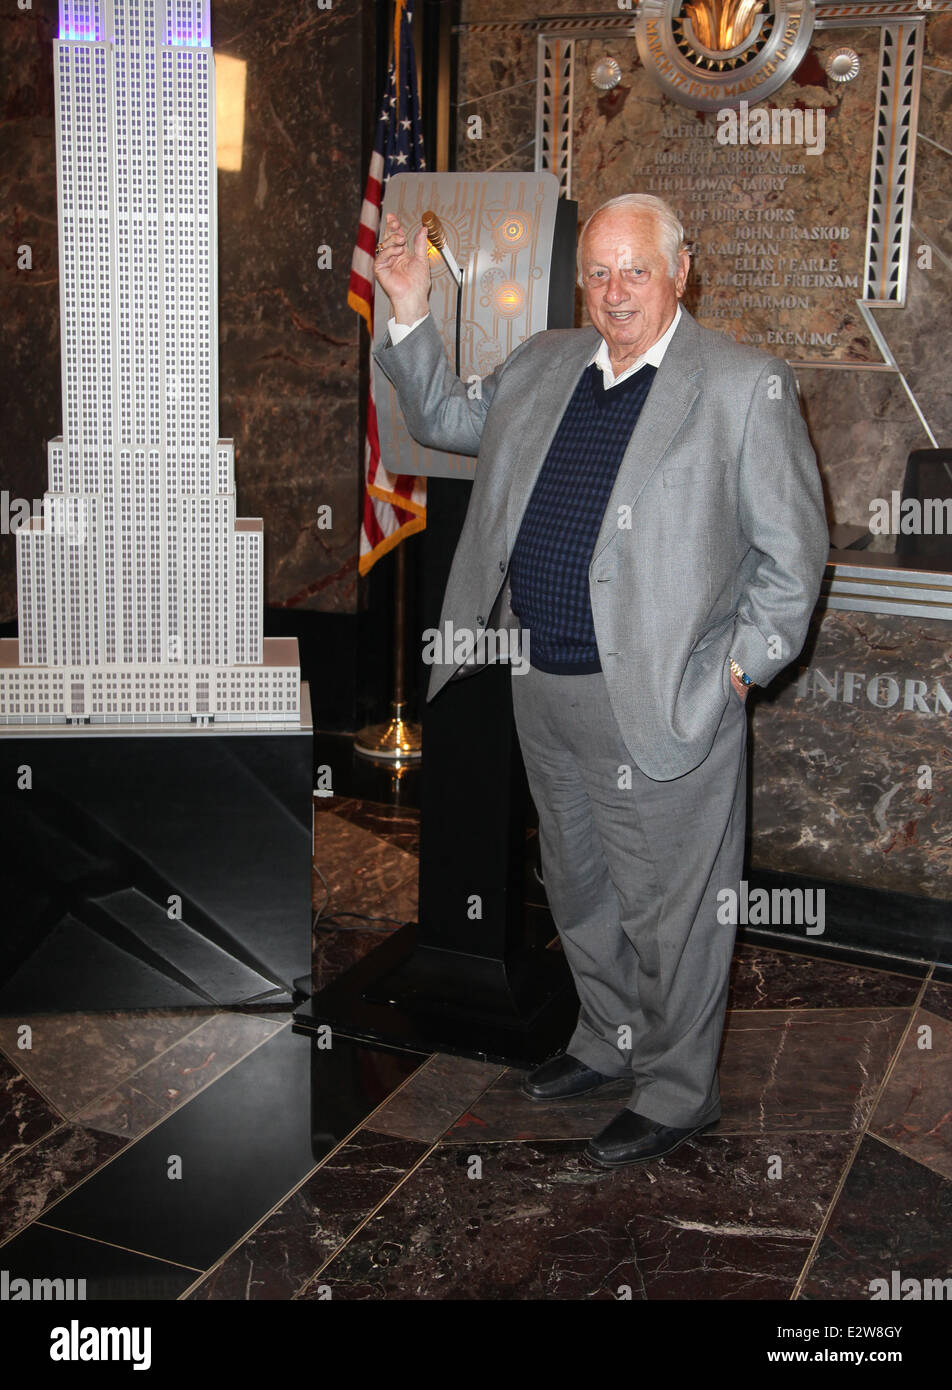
(398, 740)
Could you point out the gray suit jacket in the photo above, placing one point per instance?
(713, 543)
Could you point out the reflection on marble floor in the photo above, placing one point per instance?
(361, 1173)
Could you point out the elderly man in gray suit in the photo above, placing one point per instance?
(647, 507)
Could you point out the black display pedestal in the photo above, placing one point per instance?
(117, 831)
(466, 979)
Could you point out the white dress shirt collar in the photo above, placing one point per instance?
(653, 355)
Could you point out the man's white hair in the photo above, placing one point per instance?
(670, 231)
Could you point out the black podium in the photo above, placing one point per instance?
(457, 982)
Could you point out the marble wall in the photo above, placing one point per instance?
(863, 423)
(289, 343)
(851, 762)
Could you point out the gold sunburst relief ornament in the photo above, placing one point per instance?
(721, 35)
(708, 54)
(722, 25)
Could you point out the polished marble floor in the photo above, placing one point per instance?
(227, 1155)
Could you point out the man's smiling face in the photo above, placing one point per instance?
(630, 294)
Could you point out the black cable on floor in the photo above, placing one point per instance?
(320, 923)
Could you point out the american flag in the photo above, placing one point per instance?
(394, 504)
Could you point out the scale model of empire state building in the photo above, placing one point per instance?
(140, 592)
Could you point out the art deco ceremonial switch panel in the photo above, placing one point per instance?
(501, 229)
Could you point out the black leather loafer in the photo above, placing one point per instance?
(631, 1138)
(563, 1077)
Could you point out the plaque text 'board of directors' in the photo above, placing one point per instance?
(796, 203)
(778, 229)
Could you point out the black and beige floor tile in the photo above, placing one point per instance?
(762, 978)
(914, 1111)
(179, 1073)
(502, 1112)
(224, 1155)
(937, 999)
(811, 1070)
(534, 1220)
(109, 1272)
(805, 1069)
(893, 1214)
(73, 1059)
(193, 1186)
(43, 1173)
(284, 1253)
(25, 1116)
(435, 1096)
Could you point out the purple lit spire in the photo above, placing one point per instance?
(187, 23)
(82, 20)
(182, 23)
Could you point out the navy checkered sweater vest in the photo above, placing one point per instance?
(549, 569)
